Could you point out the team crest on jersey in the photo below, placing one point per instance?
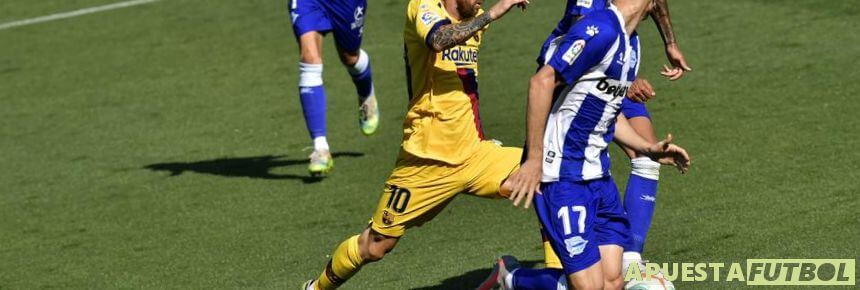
(575, 245)
(387, 219)
(574, 51)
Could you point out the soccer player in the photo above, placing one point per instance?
(640, 197)
(345, 19)
(641, 190)
(443, 151)
(573, 113)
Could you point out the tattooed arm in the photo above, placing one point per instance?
(660, 14)
(449, 35)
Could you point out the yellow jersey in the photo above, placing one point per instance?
(442, 122)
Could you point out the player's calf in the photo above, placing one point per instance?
(358, 65)
(590, 278)
(350, 256)
(374, 246)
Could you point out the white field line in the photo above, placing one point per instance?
(75, 13)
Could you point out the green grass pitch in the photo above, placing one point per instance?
(160, 146)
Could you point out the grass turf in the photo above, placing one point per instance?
(160, 146)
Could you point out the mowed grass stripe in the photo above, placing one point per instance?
(74, 13)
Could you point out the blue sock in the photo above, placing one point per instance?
(640, 200)
(362, 76)
(312, 95)
(528, 279)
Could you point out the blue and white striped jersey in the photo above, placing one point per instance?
(597, 60)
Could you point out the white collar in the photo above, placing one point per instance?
(620, 18)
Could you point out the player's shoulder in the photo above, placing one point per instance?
(600, 25)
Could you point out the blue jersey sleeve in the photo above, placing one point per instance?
(584, 46)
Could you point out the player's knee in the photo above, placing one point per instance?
(350, 58)
(310, 75)
(375, 246)
(614, 283)
(645, 167)
(310, 57)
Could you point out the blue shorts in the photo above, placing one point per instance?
(578, 217)
(633, 109)
(344, 18)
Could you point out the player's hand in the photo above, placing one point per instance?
(670, 154)
(640, 91)
(503, 6)
(525, 182)
(677, 61)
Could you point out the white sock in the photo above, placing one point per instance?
(320, 144)
(645, 168)
(630, 258)
(310, 75)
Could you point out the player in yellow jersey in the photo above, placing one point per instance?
(443, 151)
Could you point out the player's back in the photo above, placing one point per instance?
(442, 122)
(595, 59)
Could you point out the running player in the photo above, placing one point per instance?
(345, 19)
(641, 189)
(640, 196)
(443, 151)
(588, 74)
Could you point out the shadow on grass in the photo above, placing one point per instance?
(250, 167)
(471, 279)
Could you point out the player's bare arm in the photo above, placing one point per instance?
(526, 181)
(641, 91)
(664, 151)
(661, 17)
(448, 36)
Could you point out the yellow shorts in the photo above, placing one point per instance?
(418, 189)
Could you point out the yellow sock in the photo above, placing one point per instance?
(345, 262)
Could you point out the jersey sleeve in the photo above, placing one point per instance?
(428, 17)
(583, 47)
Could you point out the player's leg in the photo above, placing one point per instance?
(309, 22)
(567, 212)
(641, 192)
(348, 32)
(348, 258)
(552, 276)
(408, 200)
(489, 168)
(612, 230)
(610, 260)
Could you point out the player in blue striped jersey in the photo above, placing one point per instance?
(640, 197)
(588, 75)
(641, 190)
